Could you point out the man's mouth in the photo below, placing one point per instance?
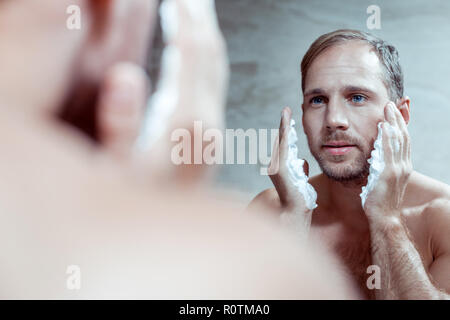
(336, 148)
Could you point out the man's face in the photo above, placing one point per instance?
(344, 100)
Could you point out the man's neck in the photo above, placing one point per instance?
(344, 203)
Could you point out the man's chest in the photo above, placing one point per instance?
(354, 249)
(354, 253)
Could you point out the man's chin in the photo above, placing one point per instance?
(351, 170)
(346, 174)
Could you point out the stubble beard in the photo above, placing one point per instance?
(352, 174)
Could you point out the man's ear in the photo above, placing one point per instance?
(403, 106)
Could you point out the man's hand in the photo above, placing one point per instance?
(292, 201)
(122, 101)
(385, 200)
(392, 249)
(192, 87)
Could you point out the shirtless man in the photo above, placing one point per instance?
(67, 202)
(350, 81)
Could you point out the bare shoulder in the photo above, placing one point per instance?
(437, 215)
(267, 199)
(423, 190)
(267, 194)
(427, 216)
(437, 218)
(431, 186)
(429, 200)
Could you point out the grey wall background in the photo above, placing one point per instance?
(267, 39)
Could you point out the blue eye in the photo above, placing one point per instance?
(357, 98)
(317, 100)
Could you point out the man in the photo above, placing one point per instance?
(122, 231)
(351, 81)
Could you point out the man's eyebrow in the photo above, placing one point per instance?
(345, 89)
(313, 91)
(358, 89)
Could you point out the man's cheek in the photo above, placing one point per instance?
(311, 137)
(374, 132)
(310, 127)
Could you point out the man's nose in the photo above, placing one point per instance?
(336, 117)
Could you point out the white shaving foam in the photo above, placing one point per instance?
(169, 21)
(162, 105)
(296, 172)
(199, 9)
(377, 164)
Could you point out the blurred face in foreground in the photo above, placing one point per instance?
(344, 99)
(45, 65)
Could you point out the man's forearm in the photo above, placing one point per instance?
(403, 275)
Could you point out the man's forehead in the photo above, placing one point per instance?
(350, 64)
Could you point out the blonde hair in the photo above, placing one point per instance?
(388, 55)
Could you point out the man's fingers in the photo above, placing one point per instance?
(286, 115)
(399, 120)
(404, 132)
(387, 145)
(280, 148)
(285, 126)
(389, 114)
(274, 165)
(194, 71)
(121, 103)
(192, 87)
(395, 139)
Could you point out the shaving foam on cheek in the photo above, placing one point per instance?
(296, 173)
(377, 164)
